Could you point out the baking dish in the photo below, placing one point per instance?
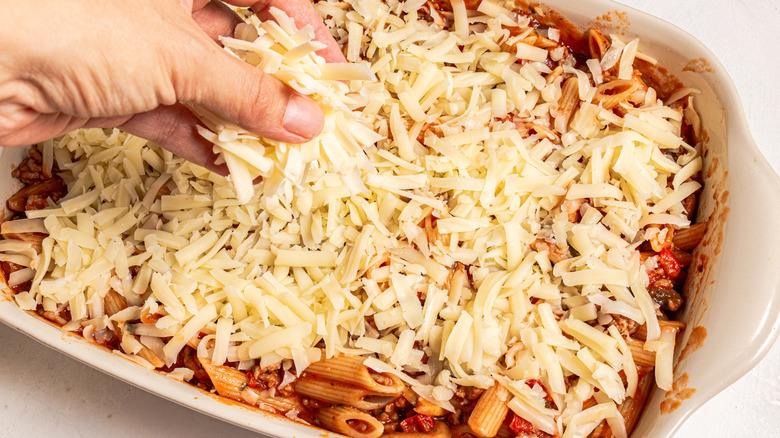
(719, 136)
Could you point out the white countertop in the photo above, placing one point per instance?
(44, 393)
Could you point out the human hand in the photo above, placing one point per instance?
(113, 63)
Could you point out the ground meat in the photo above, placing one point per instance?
(626, 326)
(270, 379)
(39, 185)
(464, 401)
(572, 209)
(190, 360)
(473, 393)
(311, 404)
(286, 391)
(381, 379)
(393, 413)
(36, 202)
(30, 171)
(265, 378)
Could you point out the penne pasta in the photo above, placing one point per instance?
(350, 422)
(688, 238)
(570, 98)
(641, 331)
(615, 92)
(490, 411)
(332, 391)
(227, 381)
(425, 407)
(150, 356)
(544, 43)
(113, 302)
(233, 384)
(630, 409)
(597, 44)
(642, 357)
(683, 257)
(350, 370)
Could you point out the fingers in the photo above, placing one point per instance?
(240, 93)
(302, 11)
(216, 19)
(246, 96)
(174, 128)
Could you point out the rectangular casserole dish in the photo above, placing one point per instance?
(740, 187)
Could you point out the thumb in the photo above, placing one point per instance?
(246, 96)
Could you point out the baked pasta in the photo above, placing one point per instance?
(489, 238)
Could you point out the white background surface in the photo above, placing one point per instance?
(46, 394)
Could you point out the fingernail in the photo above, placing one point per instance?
(303, 117)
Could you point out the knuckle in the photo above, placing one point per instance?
(166, 95)
(14, 118)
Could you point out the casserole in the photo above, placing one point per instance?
(717, 208)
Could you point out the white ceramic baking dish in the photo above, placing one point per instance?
(733, 301)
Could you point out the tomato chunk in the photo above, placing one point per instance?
(669, 262)
(523, 428)
(417, 424)
(521, 425)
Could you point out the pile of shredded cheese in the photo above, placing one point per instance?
(406, 229)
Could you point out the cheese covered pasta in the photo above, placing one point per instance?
(489, 238)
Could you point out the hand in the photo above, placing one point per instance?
(113, 63)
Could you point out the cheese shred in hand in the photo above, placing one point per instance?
(288, 54)
(450, 209)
